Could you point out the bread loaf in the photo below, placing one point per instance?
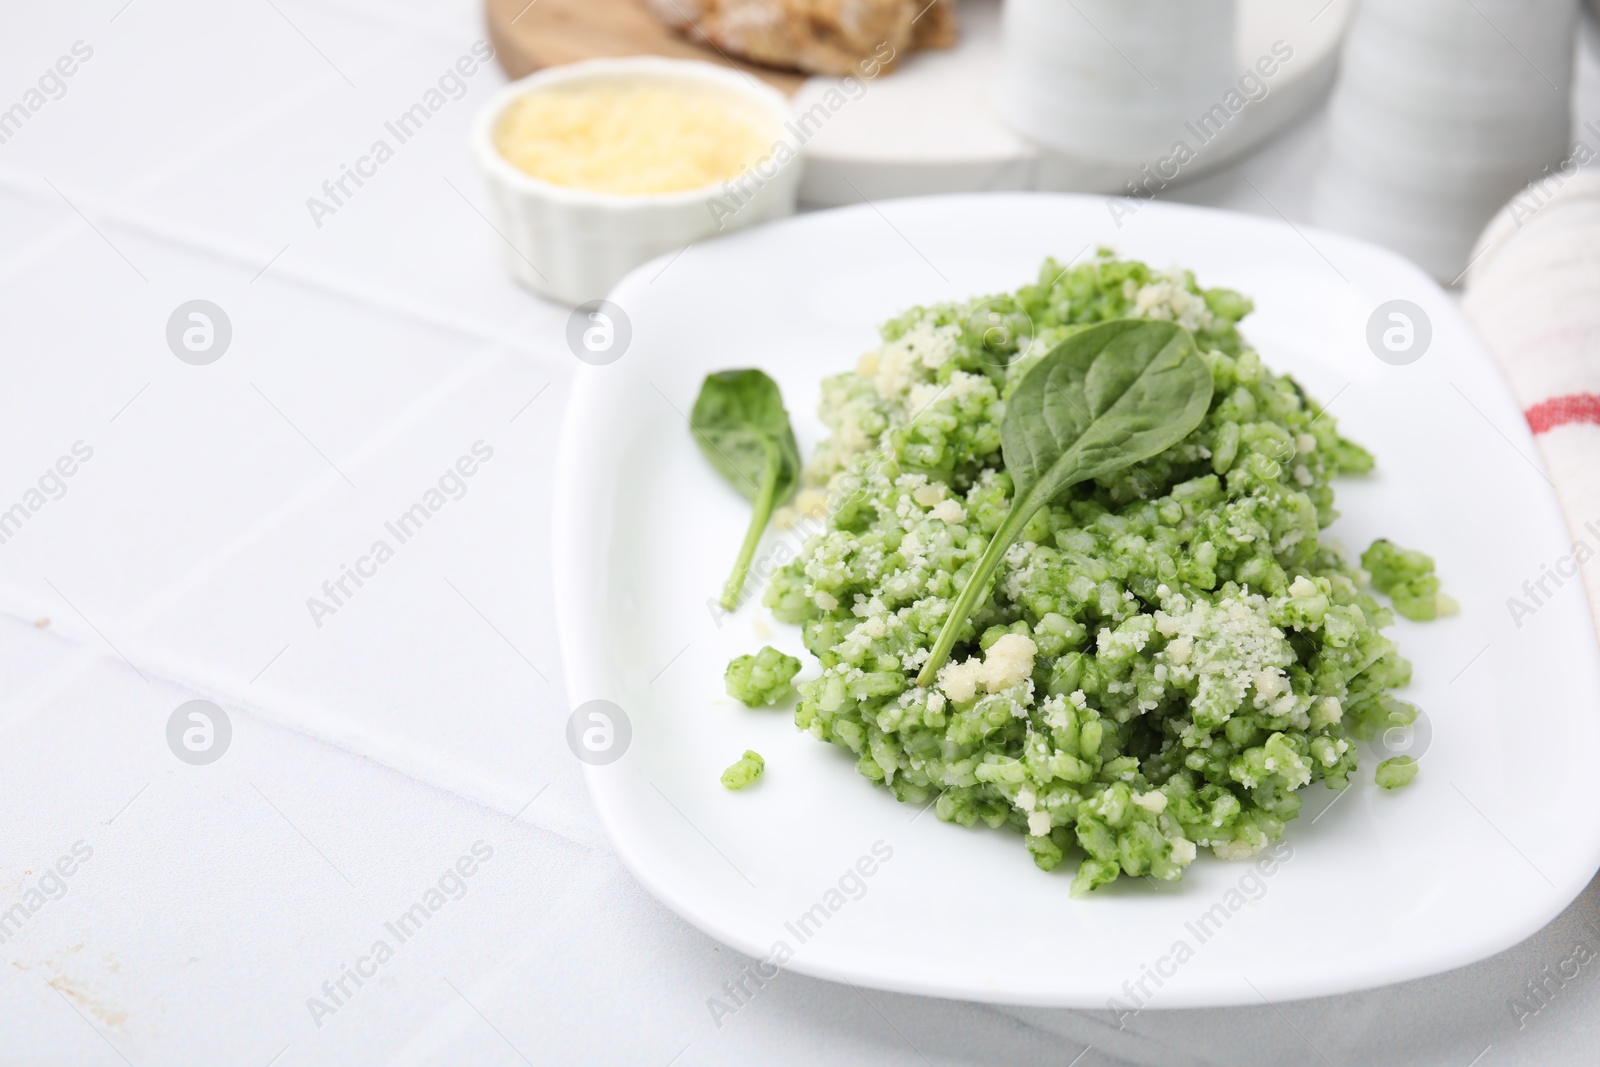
(835, 37)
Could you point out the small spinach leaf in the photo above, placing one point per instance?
(1103, 399)
(741, 426)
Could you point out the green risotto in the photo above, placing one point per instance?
(1167, 655)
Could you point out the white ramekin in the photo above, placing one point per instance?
(573, 245)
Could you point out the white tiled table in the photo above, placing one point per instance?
(424, 716)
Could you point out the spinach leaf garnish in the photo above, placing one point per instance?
(741, 426)
(1103, 399)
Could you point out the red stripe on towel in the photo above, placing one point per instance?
(1579, 407)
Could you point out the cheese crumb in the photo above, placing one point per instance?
(1237, 850)
(812, 502)
(1008, 662)
(1270, 681)
(899, 362)
(1154, 801)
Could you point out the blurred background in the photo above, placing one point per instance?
(265, 273)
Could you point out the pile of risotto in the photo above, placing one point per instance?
(1169, 654)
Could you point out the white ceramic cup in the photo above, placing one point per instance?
(1112, 80)
(573, 245)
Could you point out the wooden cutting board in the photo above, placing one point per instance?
(545, 33)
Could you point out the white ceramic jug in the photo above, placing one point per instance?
(1112, 80)
(1443, 110)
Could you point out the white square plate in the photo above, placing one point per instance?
(1498, 833)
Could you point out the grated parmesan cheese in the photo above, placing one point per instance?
(634, 137)
(1008, 662)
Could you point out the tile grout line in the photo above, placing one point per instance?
(492, 794)
(139, 618)
(157, 177)
(324, 283)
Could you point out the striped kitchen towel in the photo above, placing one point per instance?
(1533, 292)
